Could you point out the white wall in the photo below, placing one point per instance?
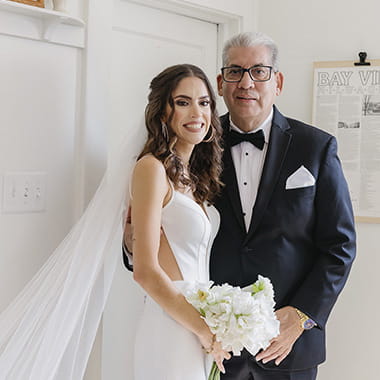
(308, 31)
(39, 87)
(37, 128)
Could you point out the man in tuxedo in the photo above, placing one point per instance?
(285, 213)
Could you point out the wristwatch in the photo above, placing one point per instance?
(306, 322)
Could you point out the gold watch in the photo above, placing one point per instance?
(306, 322)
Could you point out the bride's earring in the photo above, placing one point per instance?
(165, 131)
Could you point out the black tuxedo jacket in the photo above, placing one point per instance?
(303, 239)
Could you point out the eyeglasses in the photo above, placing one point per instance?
(258, 73)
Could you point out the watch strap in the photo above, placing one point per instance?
(306, 322)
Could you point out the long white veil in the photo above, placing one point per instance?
(48, 331)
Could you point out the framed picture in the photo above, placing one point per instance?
(36, 3)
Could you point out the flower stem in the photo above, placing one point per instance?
(214, 373)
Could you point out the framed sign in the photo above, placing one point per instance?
(36, 3)
(346, 103)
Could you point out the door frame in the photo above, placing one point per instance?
(228, 24)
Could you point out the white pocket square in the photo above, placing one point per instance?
(300, 178)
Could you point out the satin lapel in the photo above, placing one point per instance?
(229, 177)
(278, 146)
(231, 187)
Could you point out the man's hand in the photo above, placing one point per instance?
(290, 331)
(128, 231)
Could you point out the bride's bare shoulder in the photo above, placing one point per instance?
(150, 168)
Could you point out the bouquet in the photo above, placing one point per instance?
(239, 318)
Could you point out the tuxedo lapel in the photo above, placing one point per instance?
(231, 188)
(278, 145)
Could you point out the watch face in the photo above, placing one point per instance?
(308, 324)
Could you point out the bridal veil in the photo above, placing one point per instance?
(48, 331)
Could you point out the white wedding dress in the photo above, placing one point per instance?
(164, 350)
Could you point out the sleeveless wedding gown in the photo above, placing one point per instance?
(164, 349)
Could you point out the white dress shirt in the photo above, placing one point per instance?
(249, 162)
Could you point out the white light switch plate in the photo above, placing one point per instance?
(24, 192)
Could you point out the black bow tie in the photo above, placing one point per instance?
(257, 138)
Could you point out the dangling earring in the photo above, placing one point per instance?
(165, 131)
(211, 138)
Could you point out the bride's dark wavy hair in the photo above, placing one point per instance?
(205, 164)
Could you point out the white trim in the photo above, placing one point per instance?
(92, 137)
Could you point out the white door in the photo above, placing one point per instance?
(144, 41)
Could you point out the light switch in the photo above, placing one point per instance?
(24, 192)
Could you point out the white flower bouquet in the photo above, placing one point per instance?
(239, 318)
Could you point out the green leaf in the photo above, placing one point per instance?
(257, 287)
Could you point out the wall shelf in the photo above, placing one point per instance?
(43, 24)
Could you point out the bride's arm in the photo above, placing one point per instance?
(149, 190)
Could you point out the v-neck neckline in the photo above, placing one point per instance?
(194, 201)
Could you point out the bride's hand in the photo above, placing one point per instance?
(219, 355)
(215, 349)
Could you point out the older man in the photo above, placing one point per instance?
(285, 213)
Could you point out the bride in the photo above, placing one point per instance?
(48, 330)
(176, 174)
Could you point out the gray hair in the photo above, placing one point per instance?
(248, 39)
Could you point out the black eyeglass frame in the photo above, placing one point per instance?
(243, 71)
